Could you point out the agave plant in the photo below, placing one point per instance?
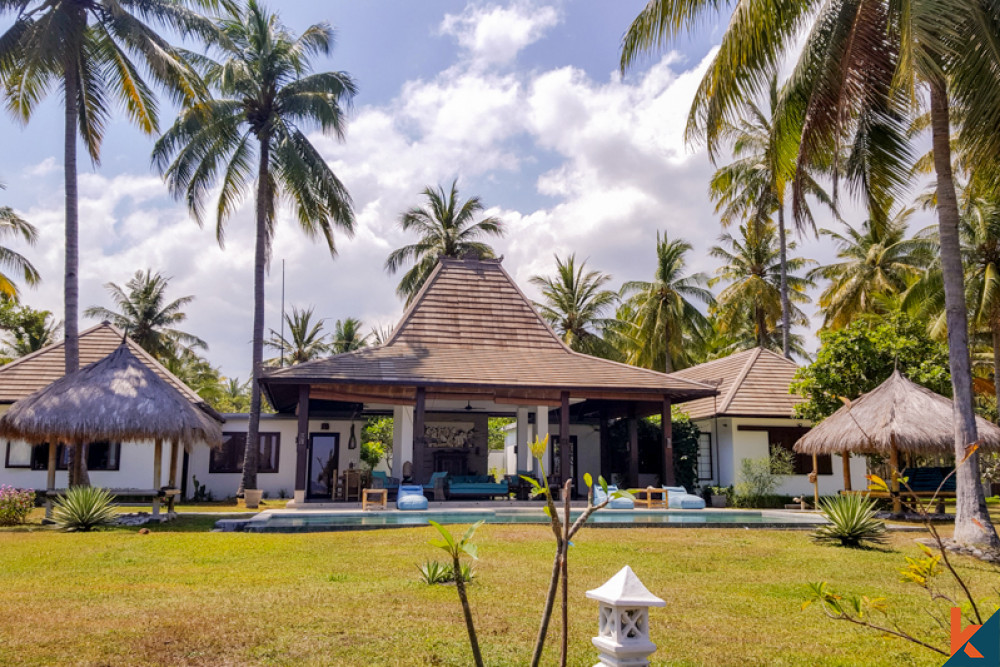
(852, 521)
(84, 508)
(433, 572)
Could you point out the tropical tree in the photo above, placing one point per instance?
(197, 373)
(234, 395)
(750, 304)
(305, 341)
(661, 313)
(28, 330)
(96, 53)
(755, 185)
(447, 228)
(347, 336)
(861, 73)
(254, 135)
(145, 313)
(574, 303)
(877, 261)
(380, 334)
(13, 225)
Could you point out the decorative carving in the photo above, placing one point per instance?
(457, 435)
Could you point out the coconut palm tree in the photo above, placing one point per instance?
(751, 301)
(234, 395)
(447, 228)
(305, 341)
(877, 261)
(756, 183)
(574, 303)
(860, 74)
(663, 311)
(29, 330)
(254, 135)
(347, 336)
(380, 334)
(13, 225)
(144, 312)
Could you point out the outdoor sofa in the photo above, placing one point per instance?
(476, 486)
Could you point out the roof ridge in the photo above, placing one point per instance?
(531, 306)
(738, 382)
(51, 347)
(778, 356)
(408, 313)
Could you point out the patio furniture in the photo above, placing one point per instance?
(652, 496)
(615, 503)
(352, 485)
(679, 499)
(438, 485)
(382, 481)
(381, 497)
(411, 497)
(476, 486)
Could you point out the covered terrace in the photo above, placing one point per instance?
(469, 347)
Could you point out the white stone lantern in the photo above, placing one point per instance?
(623, 632)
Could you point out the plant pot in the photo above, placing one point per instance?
(251, 498)
(719, 501)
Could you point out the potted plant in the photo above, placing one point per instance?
(252, 497)
(720, 495)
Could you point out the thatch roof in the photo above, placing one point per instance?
(117, 398)
(898, 410)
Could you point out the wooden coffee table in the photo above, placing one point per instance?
(653, 496)
(377, 498)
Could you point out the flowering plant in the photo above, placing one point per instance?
(15, 504)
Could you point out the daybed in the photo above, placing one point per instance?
(679, 499)
(615, 503)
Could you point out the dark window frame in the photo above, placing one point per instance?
(39, 459)
(26, 466)
(233, 462)
(711, 458)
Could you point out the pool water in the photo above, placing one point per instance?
(287, 522)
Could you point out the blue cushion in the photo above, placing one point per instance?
(615, 503)
(679, 499)
(411, 497)
(436, 476)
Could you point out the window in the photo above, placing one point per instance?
(229, 457)
(705, 456)
(786, 437)
(100, 456)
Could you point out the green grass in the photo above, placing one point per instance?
(180, 595)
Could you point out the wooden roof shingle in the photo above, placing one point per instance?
(28, 374)
(471, 326)
(752, 383)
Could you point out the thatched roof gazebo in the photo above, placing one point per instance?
(897, 416)
(118, 398)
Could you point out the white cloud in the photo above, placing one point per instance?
(494, 34)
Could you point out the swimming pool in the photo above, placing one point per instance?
(318, 521)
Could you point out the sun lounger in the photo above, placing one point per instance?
(679, 499)
(615, 503)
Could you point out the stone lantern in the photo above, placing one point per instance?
(623, 632)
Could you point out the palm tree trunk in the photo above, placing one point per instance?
(786, 306)
(972, 520)
(71, 290)
(249, 480)
(995, 329)
(668, 364)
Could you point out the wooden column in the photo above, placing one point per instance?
(302, 445)
(815, 477)
(157, 473)
(564, 441)
(172, 472)
(633, 447)
(668, 442)
(605, 446)
(420, 475)
(846, 460)
(50, 482)
(897, 505)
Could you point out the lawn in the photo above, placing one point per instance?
(181, 595)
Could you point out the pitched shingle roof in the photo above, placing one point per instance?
(471, 326)
(753, 383)
(39, 369)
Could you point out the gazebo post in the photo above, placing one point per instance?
(420, 475)
(157, 476)
(172, 473)
(897, 505)
(633, 446)
(50, 482)
(815, 477)
(846, 460)
(668, 441)
(605, 446)
(564, 441)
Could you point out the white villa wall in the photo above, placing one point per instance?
(731, 445)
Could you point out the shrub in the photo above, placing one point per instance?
(15, 505)
(760, 478)
(433, 572)
(852, 521)
(84, 508)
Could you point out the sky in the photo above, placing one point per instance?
(520, 101)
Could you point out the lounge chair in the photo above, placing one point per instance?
(614, 503)
(382, 481)
(411, 497)
(679, 499)
(437, 485)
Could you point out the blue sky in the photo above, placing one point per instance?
(518, 100)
